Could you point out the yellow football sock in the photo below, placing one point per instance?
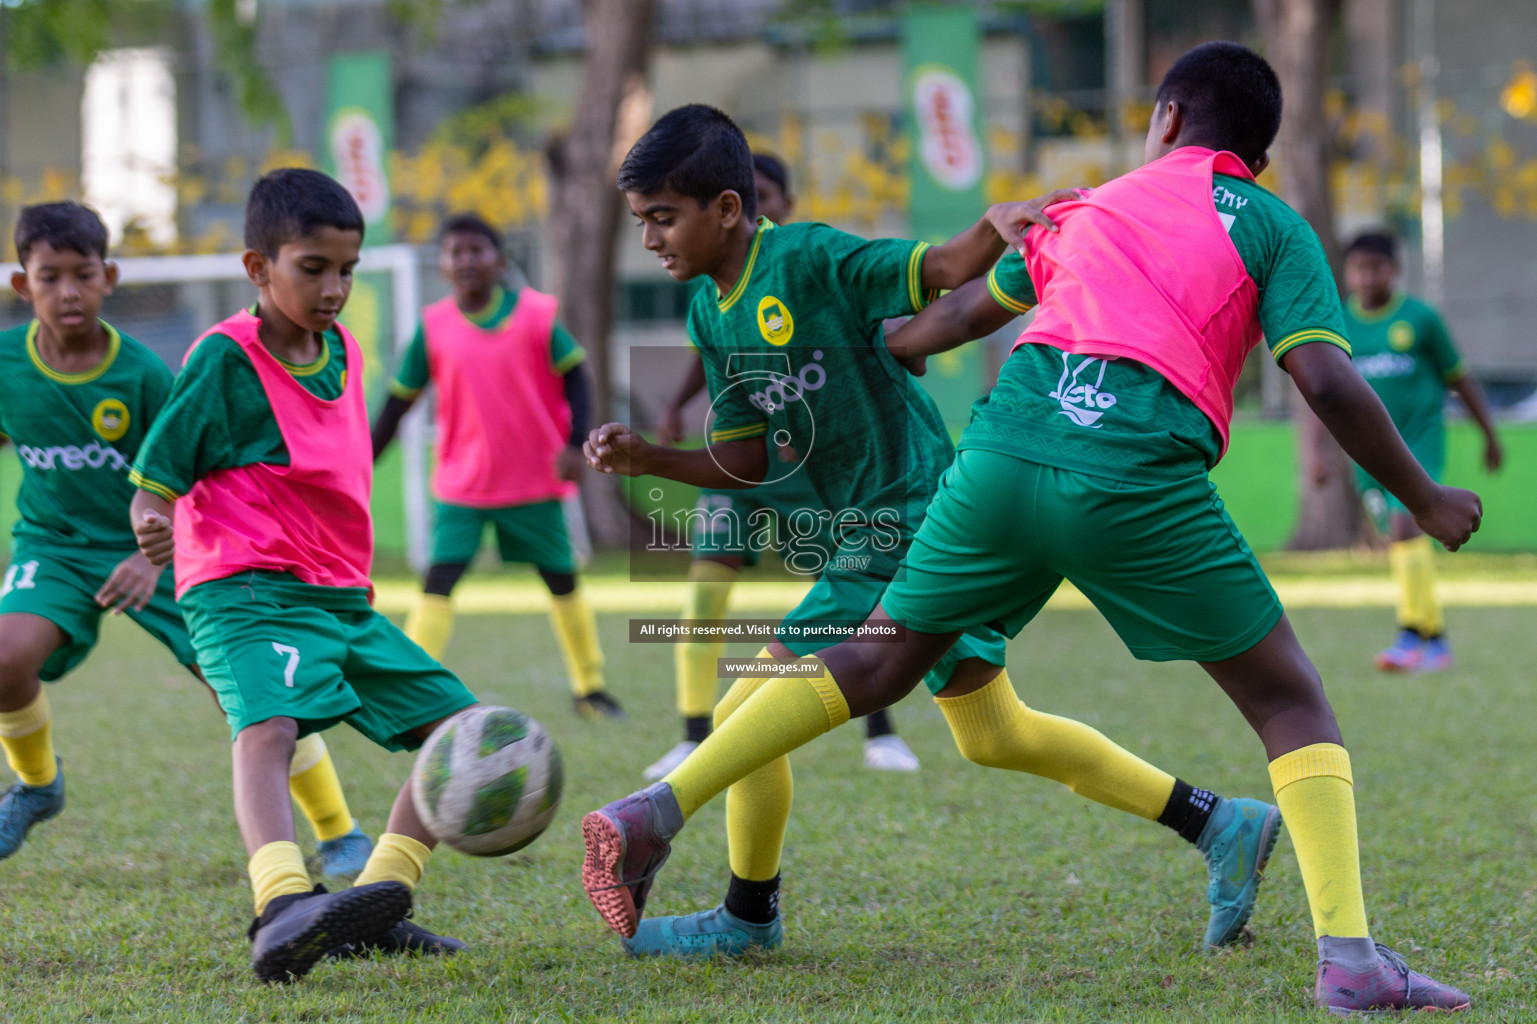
(757, 807)
(396, 858)
(785, 713)
(577, 631)
(277, 869)
(1414, 570)
(1315, 791)
(431, 623)
(312, 781)
(27, 735)
(709, 588)
(993, 727)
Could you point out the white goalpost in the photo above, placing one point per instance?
(194, 301)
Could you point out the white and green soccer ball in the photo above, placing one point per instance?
(487, 781)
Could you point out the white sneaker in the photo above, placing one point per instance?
(889, 754)
(677, 755)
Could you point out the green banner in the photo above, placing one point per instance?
(359, 133)
(948, 169)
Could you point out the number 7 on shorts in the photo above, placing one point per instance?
(292, 654)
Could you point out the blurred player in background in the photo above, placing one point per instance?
(1404, 351)
(77, 398)
(512, 413)
(720, 545)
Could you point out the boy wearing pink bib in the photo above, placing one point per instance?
(262, 449)
(1088, 463)
(511, 416)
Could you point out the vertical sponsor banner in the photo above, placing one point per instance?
(359, 134)
(948, 169)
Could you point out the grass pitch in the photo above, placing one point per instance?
(959, 894)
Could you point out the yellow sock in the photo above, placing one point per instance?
(277, 869)
(758, 806)
(785, 713)
(312, 781)
(27, 735)
(993, 727)
(396, 858)
(577, 631)
(1315, 791)
(709, 588)
(1414, 570)
(431, 623)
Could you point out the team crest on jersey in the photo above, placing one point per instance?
(110, 419)
(774, 321)
(1401, 335)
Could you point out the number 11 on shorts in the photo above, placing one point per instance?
(292, 654)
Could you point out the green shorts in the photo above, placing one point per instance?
(842, 599)
(268, 654)
(741, 523)
(534, 533)
(1429, 450)
(1162, 562)
(60, 584)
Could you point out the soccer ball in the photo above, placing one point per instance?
(487, 781)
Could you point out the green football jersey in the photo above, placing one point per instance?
(1406, 355)
(1122, 419)
(796, 352)
(76, 435)
(218, 417)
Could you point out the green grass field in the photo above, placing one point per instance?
(955, 895)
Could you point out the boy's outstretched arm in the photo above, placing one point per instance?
(1478, 407)
(395, 409)
(151, 517)
(969, 254)
(1352, 412)
(966, 314)
(615, 448)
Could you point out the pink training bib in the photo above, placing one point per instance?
(502, 416)
(1143, 268)
(310, 518)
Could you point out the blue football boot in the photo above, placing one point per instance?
(23, 806)
(1236, 843)
(714, 932)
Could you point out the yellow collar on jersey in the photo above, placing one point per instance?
(114, 342)
(726, 302)
(1382, 312)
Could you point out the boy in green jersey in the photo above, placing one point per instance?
(525, 508)
(727, 524)
(77, 398)
(262, 447)
(1405, 353)
(1084, 464)
(793, 342)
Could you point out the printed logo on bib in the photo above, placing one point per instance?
(110, 419)
(1082, 402)
(1401, 335)
(73, 457)
(774, 321)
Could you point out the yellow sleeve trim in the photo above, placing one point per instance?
(916, 296)
(399, 390)
(1001, 297)
(1456, 373)
(740, 433)
(1291, 341)
(572, 359)
(138, 480)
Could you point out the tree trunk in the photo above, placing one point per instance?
(585, 209)
(1297, 34)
